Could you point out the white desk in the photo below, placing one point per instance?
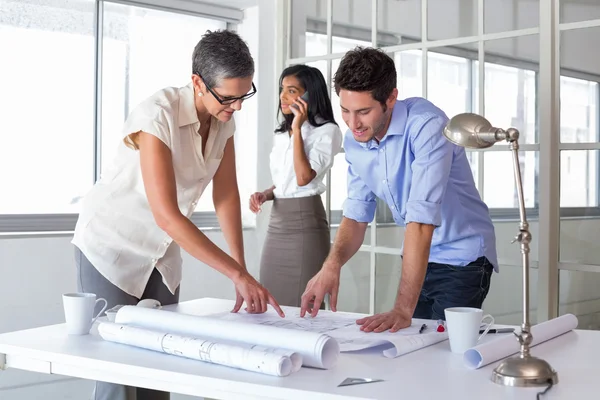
(430, 373)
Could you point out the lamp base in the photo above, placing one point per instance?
(524, 371)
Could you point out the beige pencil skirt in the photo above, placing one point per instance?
(297, 243)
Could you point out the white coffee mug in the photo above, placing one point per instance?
(79, 312)
(463, 325)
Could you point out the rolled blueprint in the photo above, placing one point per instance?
(256, 360)
(316, 349)
(495, 350)
(295, 358)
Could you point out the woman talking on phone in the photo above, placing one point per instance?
(304, 148)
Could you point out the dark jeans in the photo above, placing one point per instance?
(452, 286)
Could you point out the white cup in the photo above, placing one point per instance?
(463, 325)
(79, 312)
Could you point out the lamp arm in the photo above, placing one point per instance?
(524, 238)
(514, 147)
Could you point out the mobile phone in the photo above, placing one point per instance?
(303, 97)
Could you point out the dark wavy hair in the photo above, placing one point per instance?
(319, 104)
(366, 69)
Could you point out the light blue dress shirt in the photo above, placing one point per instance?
(423, 178)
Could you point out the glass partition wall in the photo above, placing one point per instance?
(496, 58)
(579, 148)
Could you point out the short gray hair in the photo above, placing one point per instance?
(222, 54)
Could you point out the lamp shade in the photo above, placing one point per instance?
(471, 130)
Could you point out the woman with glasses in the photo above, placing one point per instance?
(135, 219)
(304, 147)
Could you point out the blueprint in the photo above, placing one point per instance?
(249, 358)
(292, 320)
(342, 327)
(300, 346)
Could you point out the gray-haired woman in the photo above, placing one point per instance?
(136, 218)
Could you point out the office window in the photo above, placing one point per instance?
(46, 101)
(139, 59)
(316, 44)
(578, 124)
(448, 85)
(473, 158)
(500, 190)
(341, 45)
(510, 101)
(47, 131)
(339, 182)
(410, 70)
(579, 178)
(510, 98)
(578, 110)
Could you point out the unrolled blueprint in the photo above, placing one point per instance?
(343, 328)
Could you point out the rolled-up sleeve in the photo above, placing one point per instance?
(430, 171)
(360, 204)
(324, 149)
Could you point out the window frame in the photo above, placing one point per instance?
(36, 223)
(383, 215)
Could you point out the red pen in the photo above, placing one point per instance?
(441, 326)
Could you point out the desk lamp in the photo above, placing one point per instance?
(474, 131)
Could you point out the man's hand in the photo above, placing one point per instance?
(254, 294)
(417, 241)
(393, 320)
(327, 280)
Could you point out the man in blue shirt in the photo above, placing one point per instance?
(396, 151)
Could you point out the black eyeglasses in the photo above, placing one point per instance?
(227, 100)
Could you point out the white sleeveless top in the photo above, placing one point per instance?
(116, 230)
